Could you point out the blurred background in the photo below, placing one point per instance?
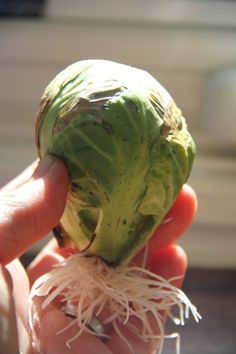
(190, 47)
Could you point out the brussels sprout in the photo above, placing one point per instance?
(127, 150)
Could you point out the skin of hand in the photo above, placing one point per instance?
(30, 206)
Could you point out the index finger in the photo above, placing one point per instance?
(176, 220)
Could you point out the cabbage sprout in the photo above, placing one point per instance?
(128, 153)
(127, 150)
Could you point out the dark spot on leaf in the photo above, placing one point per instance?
(107, 127)
(133, 106)
(165, 130)
(75, 186)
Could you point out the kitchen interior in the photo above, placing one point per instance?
(189, 46)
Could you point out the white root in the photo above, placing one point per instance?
(126, 291)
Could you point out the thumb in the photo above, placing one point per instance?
(28, 213)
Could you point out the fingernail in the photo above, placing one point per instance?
(44, 166)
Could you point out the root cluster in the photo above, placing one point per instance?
(124, 291)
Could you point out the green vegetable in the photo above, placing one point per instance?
(127, 150)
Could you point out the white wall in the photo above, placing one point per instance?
(180, 42)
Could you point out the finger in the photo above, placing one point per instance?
(21, 179)
(48, 257)
(48, 322)
(177, 219)
(43, 264)
(21, 298)
(31, 211)
(8, 328)
(169, 262)
(20, 289)
(47, 325)
(51, 247)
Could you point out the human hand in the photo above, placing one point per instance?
(27, 216)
